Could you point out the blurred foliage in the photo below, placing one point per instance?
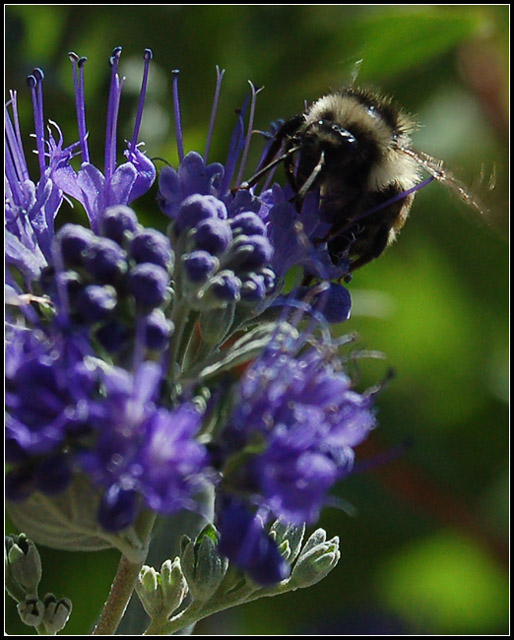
(428, 552)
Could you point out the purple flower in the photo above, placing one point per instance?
(301, 408)
(245, 542)
(47, 387)
(158, 330)
(30, 207)
(193, 177)
(143, 449)
(297, 238)
(67, 411)
(118, 184)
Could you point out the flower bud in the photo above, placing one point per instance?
(199, 265)
(158, 330)
(248, 223)
(57, 613)
(173, 585)
(105, 261)
(213, 235)
(31, 611)
(291, 534)
(73, 240)
(196, 208)
(253, 289)
(250, 253)
(148, 283)
(318, 557)
(149, 591)
(223, 288)
(23, 566)
(203, 567)
(154, 247)
(95, 302)
(118, 222)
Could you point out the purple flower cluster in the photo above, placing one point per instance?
(68, 413)
(293, 431)
(69, 410)
(143, 451)
(102, 276)
(105, 321)
(306, 419)
(223, 259)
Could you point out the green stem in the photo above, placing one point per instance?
(119, 596)
(123, 586)
(199, 610)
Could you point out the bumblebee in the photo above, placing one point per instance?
(354, 146)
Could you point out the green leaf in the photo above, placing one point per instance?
(68, 521)
(243, 350)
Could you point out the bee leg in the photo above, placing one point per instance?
(309, 183)
(378, 246)
(289, 166)
(285, 133)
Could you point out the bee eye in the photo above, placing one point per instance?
(346, 136)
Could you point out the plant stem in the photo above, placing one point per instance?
(119, 596)
(199, 610)
(123, 585)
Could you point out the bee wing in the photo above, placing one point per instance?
(436, 168)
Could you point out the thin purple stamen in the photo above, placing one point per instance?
(37, 103)
(112, 114)
(80, 104)
(17, 142)
(219, 79)
(249, 133)
(13, 189)
(148, 55)
(14, 149)
(234, 149)
(176, 111)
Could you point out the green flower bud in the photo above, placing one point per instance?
(23, 566)
(57, 613)
(173, 585)
(149, 591)
(318, 557)
(203, 567)
(31, 611)
(161, 593)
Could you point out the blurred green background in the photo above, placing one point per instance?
(427, 552)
